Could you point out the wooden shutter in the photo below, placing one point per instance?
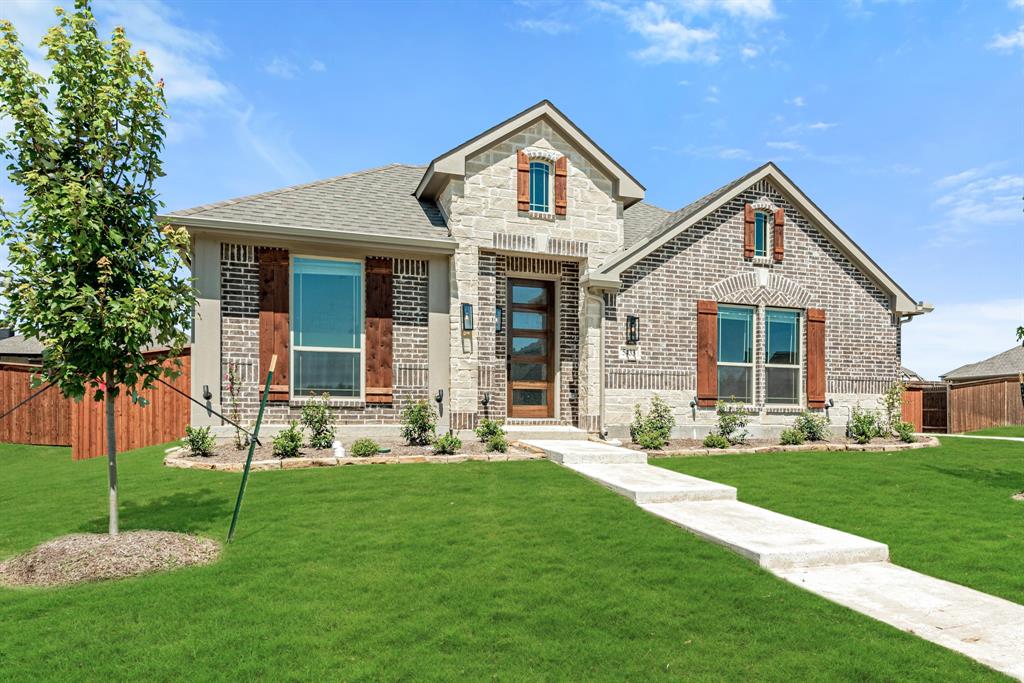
(777, 248)
(274, 331)
(380, 309)
(707, 353)
(523, 180)
(561, 185)
(748, 231)
(815, 358)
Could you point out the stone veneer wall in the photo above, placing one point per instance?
(862, 346)
(240, 342)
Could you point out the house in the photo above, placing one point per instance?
(521, 276)
(1006, 365)
(17, 348)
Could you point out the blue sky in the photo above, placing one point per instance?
(904, 121)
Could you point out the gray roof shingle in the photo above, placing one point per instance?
(639, 220)
(374, 201)
(20, 345)
(1008, 362)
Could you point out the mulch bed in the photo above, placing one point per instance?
(690, 444)
(226, 453)
(79, 558)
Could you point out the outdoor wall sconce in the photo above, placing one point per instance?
(486, 399)
(467, 317)
(632, 329)
(499, 319)
(439, 397)
(207, 394)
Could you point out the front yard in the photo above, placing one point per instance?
(518, 570)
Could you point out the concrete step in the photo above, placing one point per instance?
(645, 484)
(521, 432)
(573, 452)
(772, 540)
(983, 627)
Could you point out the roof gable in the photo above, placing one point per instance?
(452, 164)
(690, 214)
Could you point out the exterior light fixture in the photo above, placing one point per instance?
(632, 329)
(499, 319)
(467, 317)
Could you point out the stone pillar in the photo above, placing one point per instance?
(206, 368)
(591, 377)
(464, 357)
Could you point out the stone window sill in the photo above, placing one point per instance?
(542, 215)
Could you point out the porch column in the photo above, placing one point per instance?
(206, 365)
(439, 335)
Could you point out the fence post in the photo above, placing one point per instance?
(252, 447)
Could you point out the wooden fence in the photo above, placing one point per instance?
(924, 406)
(50, 419)
(43, 421)
(985, 403)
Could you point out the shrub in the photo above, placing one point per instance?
(791, 437)
(892, 403)
(488, 429)
(419, 423)
(365, 448)
(732, 422)
(905, 430)
(234, 404)
(814, 426)
(318, 420)
(715, 441)
(199, 441)
(497, 443)
(447, 444)
(655, 428)
(864, 425)
(288, 441)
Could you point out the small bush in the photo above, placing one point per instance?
(655, 427)
(317, 418)
(892, 402)
(419, 423)
(365, 448)
(791, 437)
(288, 441)
(732, 422)
(199, 441)
(715, 441)
(497, 443)
(864, 425)
(447, 444)
(814, 426)
(488, 429)
(905, 430)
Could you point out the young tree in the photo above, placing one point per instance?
(1020, 334)
(91, 273)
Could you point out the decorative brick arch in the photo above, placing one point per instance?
(747, 288)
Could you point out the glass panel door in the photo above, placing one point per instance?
(530, 349)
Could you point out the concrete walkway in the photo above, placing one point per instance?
(846, 569)
(1019, 439)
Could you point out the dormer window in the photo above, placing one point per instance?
(540, 186)
(762, 221)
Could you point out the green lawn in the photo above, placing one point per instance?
(943, 511)
(508, 571)
(1005, 430)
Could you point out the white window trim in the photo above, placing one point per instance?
(753, 362)
(799, 367)
(331, 349)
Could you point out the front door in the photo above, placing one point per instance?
(531, 377)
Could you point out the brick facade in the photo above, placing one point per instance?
(240, 343)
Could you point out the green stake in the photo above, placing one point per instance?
(252, 447)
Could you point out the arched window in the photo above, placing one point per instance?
(540, 184)
(762, 222)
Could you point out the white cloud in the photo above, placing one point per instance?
(973, 202)
(712, 96)
(747, 9)
(716, 152)
(1007, 42)
(955, 334)
(551, 27)
(821, 125)
(282, 68)
(272, 144)
(817, 126)
(786, 144)
(749, 52)
(797, 101)
(318, 66)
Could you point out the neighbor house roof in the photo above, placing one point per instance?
(375, 204)
(20, 345)
(1007, 363)
(678, 221)
(452, 164)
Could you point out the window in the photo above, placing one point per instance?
(540, 175)
(327, 327)
(782, 357)
(762, 222)
(736, 353)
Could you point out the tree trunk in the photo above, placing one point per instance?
(111, 452)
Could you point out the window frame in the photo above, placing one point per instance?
(752, 384)
(799, 367)
(293, 347)
(549, 188)
(766, 220)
